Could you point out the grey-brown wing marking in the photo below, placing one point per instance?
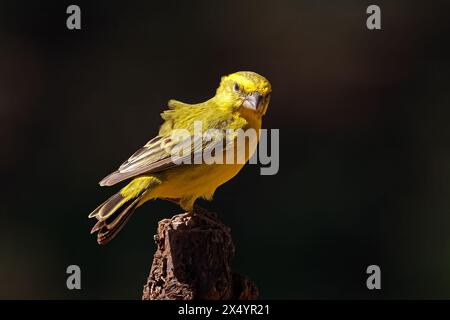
(161, 153)
(150, 158)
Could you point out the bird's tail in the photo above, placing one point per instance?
(115, 212)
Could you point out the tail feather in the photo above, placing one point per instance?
(108, 230)
(108, 207)
(112, 216)
(115, 212)
(109, 224)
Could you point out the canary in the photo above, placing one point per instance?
(240, 102)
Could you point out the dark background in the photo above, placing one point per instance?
(364, 126)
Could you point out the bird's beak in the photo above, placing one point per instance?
(253, 101)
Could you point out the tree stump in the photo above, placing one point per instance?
(193, 261)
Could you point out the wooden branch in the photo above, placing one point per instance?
(193, 261)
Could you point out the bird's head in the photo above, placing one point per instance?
(247, 91)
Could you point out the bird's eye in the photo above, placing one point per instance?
(236, 87)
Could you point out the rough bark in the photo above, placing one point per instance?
(193, 261)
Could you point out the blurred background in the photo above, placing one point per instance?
(364, 127)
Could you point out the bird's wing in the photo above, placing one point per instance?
(162, 153)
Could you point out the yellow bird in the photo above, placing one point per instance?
(240, 102)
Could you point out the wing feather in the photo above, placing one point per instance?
(162, 153)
